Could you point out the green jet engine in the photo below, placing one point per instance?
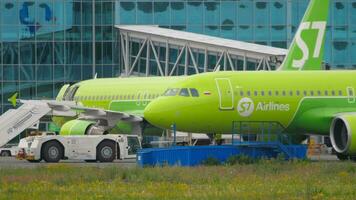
(343, 134)
(81, 127)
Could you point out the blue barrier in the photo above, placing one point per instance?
(195, 155)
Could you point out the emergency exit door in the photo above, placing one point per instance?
(351, 94)
(226, 94)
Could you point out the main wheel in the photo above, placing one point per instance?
(52, 151)
(353, 158)
(105, 152)
(5, 154)
(342, 156)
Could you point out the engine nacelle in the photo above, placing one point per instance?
(81, 127)
(343, 134)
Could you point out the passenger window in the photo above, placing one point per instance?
(255, 93)
(297, 92)
(262, 93)
(171, 92)
(333, 92)
(276, 93)
(326, 93)
(291, 93)
(248, 93)
(319, 93)
(194, 92)
(270, 93)
(184, 92)
(284, 93)
(305, 93)
(241, 93)
(340, 93)
(311, 93)
(350, 91)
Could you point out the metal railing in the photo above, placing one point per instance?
(259, 131)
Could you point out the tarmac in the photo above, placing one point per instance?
(12, 162)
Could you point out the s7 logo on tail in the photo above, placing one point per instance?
(318, 25)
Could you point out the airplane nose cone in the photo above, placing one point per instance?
(157, 114)
(152, 113)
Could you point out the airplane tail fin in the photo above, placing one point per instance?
(13, 99)
(307, 49)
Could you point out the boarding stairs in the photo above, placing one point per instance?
(15, 121)
(269, 136)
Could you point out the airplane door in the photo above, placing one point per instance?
(351, 94)
(226, 94)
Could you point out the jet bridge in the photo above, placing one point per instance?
(152, 50)
(14, 121)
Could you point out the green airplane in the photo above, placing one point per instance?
(99, 106)
(303, 102)
(107, 103)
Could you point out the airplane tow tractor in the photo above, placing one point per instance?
(53, 148)
(91, 148)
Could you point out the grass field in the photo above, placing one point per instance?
(262, 180)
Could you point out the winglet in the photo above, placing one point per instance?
(13, 99)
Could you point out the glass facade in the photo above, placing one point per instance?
(46, 43)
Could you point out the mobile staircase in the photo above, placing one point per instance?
(252, 139)
(28, 115)
(266, 139)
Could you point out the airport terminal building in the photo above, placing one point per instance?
(46, 43)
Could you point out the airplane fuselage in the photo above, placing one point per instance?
(302, 101)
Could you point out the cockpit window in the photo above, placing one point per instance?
(184, 92)
(171, 92)
(194, 92)
(70, 94)
(65, 93)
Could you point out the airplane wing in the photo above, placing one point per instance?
(72, 109)
(109, 116)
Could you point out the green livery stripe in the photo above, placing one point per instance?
(314, 114)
